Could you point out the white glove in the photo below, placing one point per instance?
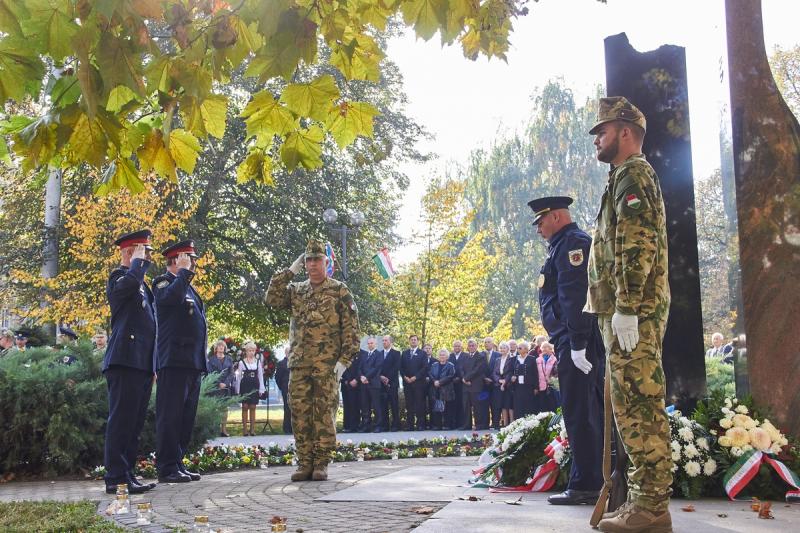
(339, 370)
(298, 264)
(580, 361)
(626, 328)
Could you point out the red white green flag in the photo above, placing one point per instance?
(384, 263)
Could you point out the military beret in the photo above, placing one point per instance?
(617, 108)
(183, 247)
(134, 238)
(67, 331)
(542, 206)
(315, 249)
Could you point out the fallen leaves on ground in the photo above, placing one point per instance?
(688, 509)
(423, 510)
(518, 501)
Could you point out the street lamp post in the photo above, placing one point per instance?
(331, 217)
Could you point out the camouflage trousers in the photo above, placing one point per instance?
(637, 397)
(313, 393)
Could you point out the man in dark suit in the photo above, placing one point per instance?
(351, 395)
(128, 361)
(282, 381)
(370, 369)
(181, 349)
(457, 357)
(390, 377)
(476, 400)
(414, 369)
(492, 386)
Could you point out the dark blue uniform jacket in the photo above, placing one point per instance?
(181, 340)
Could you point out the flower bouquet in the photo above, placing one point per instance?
(692, 464)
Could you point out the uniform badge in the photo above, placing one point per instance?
(162, 284)
(541, 280)
(353, 305)
(633, 201)
(575, 257)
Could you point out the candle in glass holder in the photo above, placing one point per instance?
(395, 455)
(123, 504)
(201, 523)
(263, 461)
(144, 514)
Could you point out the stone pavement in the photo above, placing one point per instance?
(381, 496)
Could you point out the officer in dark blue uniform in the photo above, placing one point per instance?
(563, 284)
(180, 360)
(128, 361)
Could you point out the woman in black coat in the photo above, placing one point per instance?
(219, 361)
(525, 382)
(501, 374)
(441, 374)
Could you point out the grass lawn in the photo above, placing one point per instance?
(53, 516)
(275, 420)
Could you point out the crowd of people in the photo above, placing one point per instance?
(459, 389)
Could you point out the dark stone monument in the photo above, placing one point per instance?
(655, 82)
(766, 150)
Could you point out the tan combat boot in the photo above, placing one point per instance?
(634, 519)
(320, 473)
(617, 511)
(303, 473)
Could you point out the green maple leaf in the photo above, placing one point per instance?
(184, 149)
(303, 147)
(158, 74)
(311, 99)
(21, 70)
(51, 25)
(120, 174)
(4, 157)
(119, 96)
(11, 13)
(374, 12)
(256, 167)
(119, 64)
(131, 138)
(36, 143)
(207, 118)
(247, 40)
(265, 116)
(88, 142)
(66, 90)
(278, 58)
(425, 15)
(348, 120)
(153, 155)
(358, 59)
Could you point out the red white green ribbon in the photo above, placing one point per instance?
(545, 475)
(739, 475)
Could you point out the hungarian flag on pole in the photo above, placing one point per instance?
(384, 264)
(330, 269)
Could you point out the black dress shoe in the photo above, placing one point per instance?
(176, 477)
(135, 481)
(192, 475)
(574, 497)
(223, 434)
(132, 489)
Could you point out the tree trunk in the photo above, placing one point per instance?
(52, 220)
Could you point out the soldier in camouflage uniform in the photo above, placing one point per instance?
(323, 337)
(629, 292)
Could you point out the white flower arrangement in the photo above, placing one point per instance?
(689, 447)
(744, 433)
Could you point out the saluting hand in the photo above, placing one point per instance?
(298, 264)
(184, 261)
(138, 252)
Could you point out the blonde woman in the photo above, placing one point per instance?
(249, 383)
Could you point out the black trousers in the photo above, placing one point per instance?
(582, 406)
(458, 405)
(415, 404)
(287, 413)
(495, 404)
(391, 403)
(177, 394)
(351, 405)
(128, 395)
(372, 417)
(476, 408)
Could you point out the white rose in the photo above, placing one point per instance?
(690, 451)
(710, 467)
(725, 423)
(728, 402)
(692, 468)
(741, 409)
(702, 443)
(676, 456)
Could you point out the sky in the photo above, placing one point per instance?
(466, 104)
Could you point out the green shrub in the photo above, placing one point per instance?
(719, 376)
(53, 415)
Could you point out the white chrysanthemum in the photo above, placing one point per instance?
(702, 443)
(710, 467)
(685, 421)
(676, 456)
(690, 451)
(750, 424)
(741, 409)
(775, 448)
(692, 468)
(736, 452)
(558, 455)
(713, 431)
(675, 445)
(686, 434)
(726, 423)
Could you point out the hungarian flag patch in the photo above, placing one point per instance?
(633, 201)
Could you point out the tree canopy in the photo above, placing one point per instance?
(133, 86)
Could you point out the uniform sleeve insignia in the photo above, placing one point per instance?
(575, 257)
(632, 201)
(163, 283)
(352, 305)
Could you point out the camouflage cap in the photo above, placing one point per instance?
(315, 249)
(618, 108)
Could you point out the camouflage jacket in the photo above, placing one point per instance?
(628, 257)
(324, 321)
